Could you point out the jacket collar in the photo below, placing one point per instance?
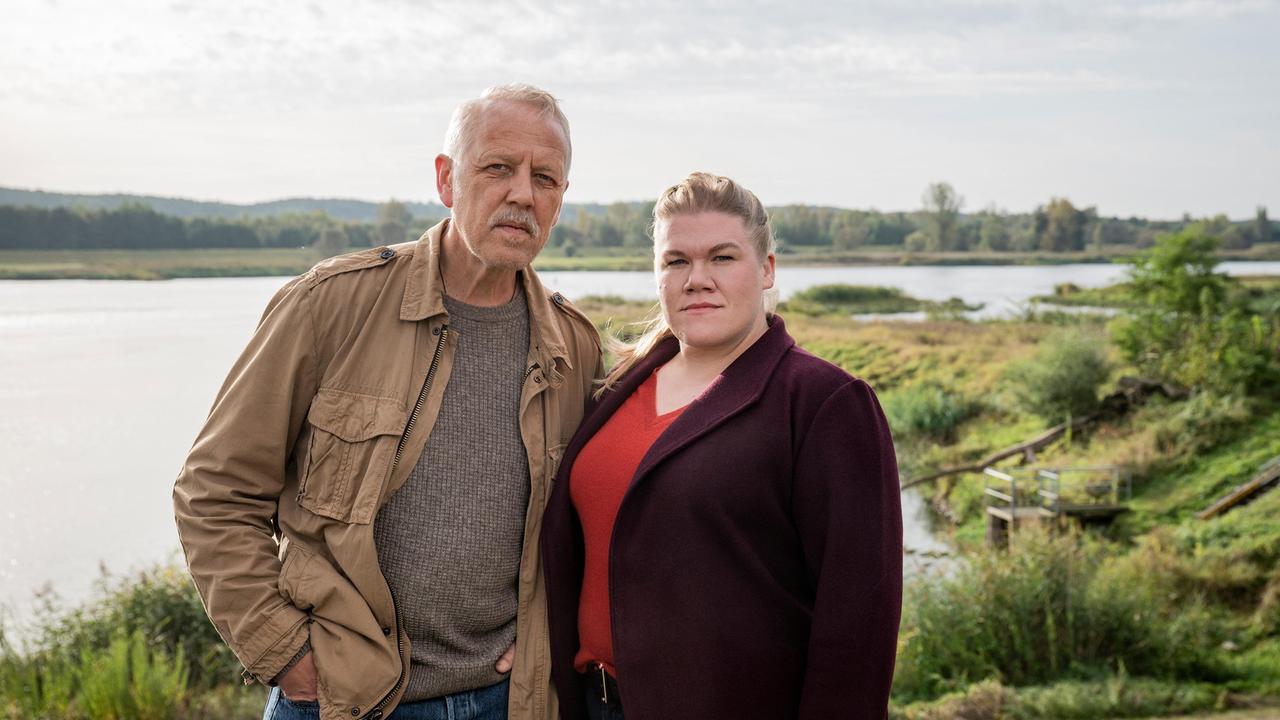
(424, 297)
(739, 386)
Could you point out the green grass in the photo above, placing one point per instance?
(152, 264)
(1119, 696)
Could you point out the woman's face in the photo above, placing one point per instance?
(711, 282)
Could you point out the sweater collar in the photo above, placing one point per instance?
(424, 295)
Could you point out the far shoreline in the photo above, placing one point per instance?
(273, 262)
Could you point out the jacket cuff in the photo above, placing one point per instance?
(272, 661)
(306, 648)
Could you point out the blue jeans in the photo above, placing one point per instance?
(489, 703)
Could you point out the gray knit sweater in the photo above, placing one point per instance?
(449, 540)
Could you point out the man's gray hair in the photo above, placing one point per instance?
(463, 124)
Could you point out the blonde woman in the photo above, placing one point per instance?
(724, 539)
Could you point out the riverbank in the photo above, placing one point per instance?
(170, 264)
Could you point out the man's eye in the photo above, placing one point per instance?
(496, 167)
(546, 179)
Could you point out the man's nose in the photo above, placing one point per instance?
(520, 189)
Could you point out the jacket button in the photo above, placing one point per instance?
(435, 331)
(355, 712)
(557, 298)
(386, 631)
(387, 254)
(537, 378)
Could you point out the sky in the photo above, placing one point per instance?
(1151, 108)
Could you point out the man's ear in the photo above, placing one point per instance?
(444, 179)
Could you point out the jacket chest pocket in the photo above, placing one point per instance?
(353, 441)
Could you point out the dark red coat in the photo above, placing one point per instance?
(755, 569)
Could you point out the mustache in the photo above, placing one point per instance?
(523, 219)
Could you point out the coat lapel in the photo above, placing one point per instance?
(599, 413)
(740, 385)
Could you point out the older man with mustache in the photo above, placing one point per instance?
(361, 511)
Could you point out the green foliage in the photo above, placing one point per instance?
(924, 412)
(333, 241)
(848, 299)
(1059, 227)
(1064, 376)
(1185, 325)
(1048, 608)
(139, 649)
(130, 680)
(34, 687)
(942, 217)
(162, 605)
(840, 299)
(1199, 423)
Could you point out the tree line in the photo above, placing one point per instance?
(139, 227)
(938, 226)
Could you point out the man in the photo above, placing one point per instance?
(360, 512)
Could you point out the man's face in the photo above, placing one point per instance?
(506, 189)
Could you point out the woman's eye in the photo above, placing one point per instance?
(722, 258)
(675, 261)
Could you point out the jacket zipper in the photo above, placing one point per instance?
(376, 710)
(422, 396)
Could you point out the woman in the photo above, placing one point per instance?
(725, 538)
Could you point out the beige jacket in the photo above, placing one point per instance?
(319, 421)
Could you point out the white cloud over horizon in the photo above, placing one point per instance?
(1148, 108)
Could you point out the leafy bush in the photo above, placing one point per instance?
(1190, 326)
(924, 411)
(130, 680)
(1044, 610)
(1202, 421)
(1064, 376)
(162, 604)
(142, 648)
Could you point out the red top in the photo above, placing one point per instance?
(597, 482)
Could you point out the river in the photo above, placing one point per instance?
(104, 384)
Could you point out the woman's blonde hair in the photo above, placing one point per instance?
(698, 193)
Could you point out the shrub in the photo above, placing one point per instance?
(160, 603)
(924, 411)
(1064, 376)
(131, 680)
(34, 688)
(1190, 326)
(1202, 421)
(1044, 610)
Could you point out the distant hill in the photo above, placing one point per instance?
(337, 208)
